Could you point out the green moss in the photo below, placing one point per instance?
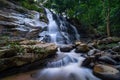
(6, 44)
(37, 50)
(15, 46)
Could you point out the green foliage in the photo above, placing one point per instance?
(30, 4)
(18, 48)
(36, 50)
(101, 29)
(92, 13)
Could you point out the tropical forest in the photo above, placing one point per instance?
(59, 39)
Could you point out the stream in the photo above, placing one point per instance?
(66, 65)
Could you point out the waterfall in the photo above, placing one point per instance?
(52, 27)
(69, 72)
(59, 31)
(66, 65)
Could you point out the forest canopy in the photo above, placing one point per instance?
(99, 14)
(102, 15)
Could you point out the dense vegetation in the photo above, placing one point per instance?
(102, 15)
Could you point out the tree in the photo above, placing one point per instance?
(100, 14)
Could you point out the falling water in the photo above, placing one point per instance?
(69, 72)
(65, 66)
(64, 59)
(59, 30)
(52, 27)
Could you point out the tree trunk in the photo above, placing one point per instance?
(108, 22)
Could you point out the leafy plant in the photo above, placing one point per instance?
(18, 48)
(30, 5)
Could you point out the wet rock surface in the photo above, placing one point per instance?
(66, 48)
(26, 52)
(16, 21)
(106, 72)
(104, 62)
(82, 48)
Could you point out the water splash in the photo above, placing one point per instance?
(65, 58)
(70, 72)
(66, 66)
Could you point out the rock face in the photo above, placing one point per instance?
(16, 21)
(25, 52)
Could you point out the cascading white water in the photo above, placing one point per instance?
(59, 30)
(52, 27)
(66, 66)
(29, 22)
(64, 59)
(70, 72)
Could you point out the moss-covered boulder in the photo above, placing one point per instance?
(25, 52)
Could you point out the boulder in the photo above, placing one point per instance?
(82, 48)
(89, 62)
(93, 51)
(116, 58)
(66, 48)
(119, 43)
(109, 40)
(16, 61)
(93, 44)
(77, 43)
(45, 49)
(106, 72)
(116, 49)
(108, 60)
(26, 52)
